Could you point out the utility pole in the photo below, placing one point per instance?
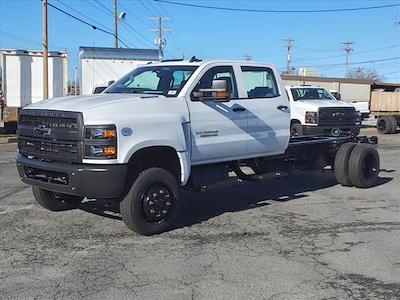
(289, 46)
(160, 41)
(347, 48)
(115, 24)
(45, 52)
(248, 57)
(76, 81)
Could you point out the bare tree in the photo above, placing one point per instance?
(363, 73)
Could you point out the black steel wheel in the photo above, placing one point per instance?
(55, 201)
(152, 203)
(157, 203)
(364, 166)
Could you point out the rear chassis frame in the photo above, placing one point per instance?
(303, 153)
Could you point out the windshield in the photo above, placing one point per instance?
(311, 94)
(158, 80)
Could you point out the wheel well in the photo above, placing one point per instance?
(294, 121)
(154, 157)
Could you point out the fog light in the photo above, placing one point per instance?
(109, 151)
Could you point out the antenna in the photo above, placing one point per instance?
(248, 57)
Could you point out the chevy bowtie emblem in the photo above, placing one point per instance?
(42, 130)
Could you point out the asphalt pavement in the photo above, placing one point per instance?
(302, 237)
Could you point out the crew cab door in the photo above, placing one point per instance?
(218, 129)
(268, 110)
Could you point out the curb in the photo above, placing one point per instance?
(8, 140)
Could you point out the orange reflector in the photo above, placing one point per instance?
(109, 133)
(110, 151)
(222, 94)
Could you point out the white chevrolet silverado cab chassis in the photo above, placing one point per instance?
(170, 124)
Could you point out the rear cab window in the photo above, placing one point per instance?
(259, 82)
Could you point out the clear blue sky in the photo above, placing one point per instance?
(220, 34)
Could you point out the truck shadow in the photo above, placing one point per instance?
(199, 207)
(248, 195)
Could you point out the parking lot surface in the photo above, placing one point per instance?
(303, 237)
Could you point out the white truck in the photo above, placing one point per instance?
(21, 81)
(100, 65)
(314, 111)
(170, 125)
(360, 105)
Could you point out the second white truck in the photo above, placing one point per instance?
(172, 125)
(315, 111)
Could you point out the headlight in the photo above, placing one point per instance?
(311, 117)
(358, 117)
(100, 142)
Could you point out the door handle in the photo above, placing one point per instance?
(238, 109)
(282, 107)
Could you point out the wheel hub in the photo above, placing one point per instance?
(157, 202)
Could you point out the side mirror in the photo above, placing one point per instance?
(218, 92)
(110, 82)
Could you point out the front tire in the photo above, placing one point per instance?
(296, 130)
(55, 201)
(152, 203)
(355, 131)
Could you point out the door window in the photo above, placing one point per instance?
(221, 72)
(260, 82)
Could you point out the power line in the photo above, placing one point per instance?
(178, 40)
(276, 11)
(134, 32)
(145, 7)
(154, 11)
(98, 8)
(103, 6)
(84, 22)
(79, 13)
(132, 14)
(394, 72)
(137, 7)
(358, 62)
(341, 55)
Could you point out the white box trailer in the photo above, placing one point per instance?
(22, 79)
(100, 65)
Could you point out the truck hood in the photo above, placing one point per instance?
(88, 102)
(325, 103)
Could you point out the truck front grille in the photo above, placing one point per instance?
(51, 135)
(337, 116)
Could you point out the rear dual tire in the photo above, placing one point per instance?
(357, 165)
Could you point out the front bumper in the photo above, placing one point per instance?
(91, 181)
(325, 130)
